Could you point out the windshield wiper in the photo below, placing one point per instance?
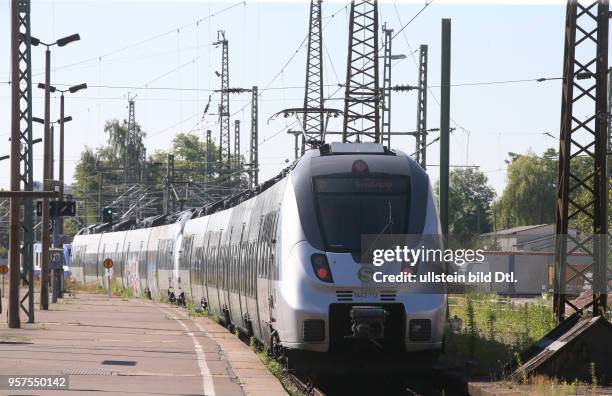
(389, 223)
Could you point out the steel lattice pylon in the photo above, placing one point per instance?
(132, 156)
(237, 163)
(386, 92)
(314, 122)
(209, 154)
(362, 95)
(421, 136)
(237, 144)
(224, 114)
(583, 140)
(26, 157)
(254, 146)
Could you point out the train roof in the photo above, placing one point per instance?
(325, 150)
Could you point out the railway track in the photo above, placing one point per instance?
(422, 383)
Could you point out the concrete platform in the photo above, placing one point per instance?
(131, 347)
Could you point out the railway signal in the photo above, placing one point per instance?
(107, 215)
(56, 261)
(108, 265)
(58, 208)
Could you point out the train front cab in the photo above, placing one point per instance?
(325, 305)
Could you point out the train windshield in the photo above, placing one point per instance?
(350, 207)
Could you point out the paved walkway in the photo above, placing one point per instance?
(131, 347)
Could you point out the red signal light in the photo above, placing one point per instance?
(323, 274)
(321, 268)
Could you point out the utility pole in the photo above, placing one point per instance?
(362, 95)
(143, 177)
(21, 140)
(44, 267)
(583, 137)
(254, 130)
(237, 163)
(224, 114)
(386, 94)
(314, 115)
(254, 146)
(52, 152)
(100, 195)
(313, 122)
(209, 159)
(60, 220)
(14, 321)
(131, 153)
(421, 137)
(171, 182)
(609, 159)
(237, 143)
(168, 207)
(445, 123)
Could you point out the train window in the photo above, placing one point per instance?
(349, 207)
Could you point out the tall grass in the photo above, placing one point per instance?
(495, 328)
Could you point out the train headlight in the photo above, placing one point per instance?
(320, 267)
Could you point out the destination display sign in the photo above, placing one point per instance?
(361, 185)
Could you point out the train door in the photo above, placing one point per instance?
(225, 275)
(271, 263)
(159, 265)
(144, 262)
(103, 279)
(206, 268)
(205, 259)
(238, 275)
(251, 270)
(93, 270)
(194, 271)
(216, 303)
(136, 270)
(195, 284)
(123, 258)
(262, 281)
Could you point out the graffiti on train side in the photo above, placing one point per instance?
(133, 276)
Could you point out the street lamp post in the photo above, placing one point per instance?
(62, 120)
(58, 222)
(44, 270)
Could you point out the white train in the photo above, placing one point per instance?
(282, 262)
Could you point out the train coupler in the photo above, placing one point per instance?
(368, 322)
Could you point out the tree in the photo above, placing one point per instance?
(531, 193)
(98, 175)
(529, 197)
(470, 198)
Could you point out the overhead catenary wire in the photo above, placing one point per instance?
(149, 39)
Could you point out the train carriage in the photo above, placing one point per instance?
(283, 262)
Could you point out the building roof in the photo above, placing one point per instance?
(517, 230)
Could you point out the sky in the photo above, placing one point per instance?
(162, 53)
